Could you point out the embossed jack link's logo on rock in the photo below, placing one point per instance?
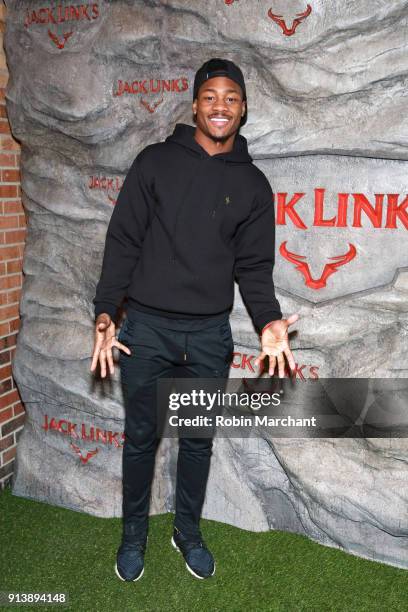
(59, 15)
(106, 185)
(338, 244)
(144, 87)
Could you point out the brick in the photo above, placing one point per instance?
(9, 454)
(4, 329)
(15, 236)
(6, 414)
(11, 176)
(8, 191)
(7, 469)
(8, 341)
(14, 325)
(13, 207)
(6, 482)
(9, 252)
(13, 424)
(2, 268)
(14, 266)
(5, 357)
(6, 385)
(5, 372)
(10, 282)
(4, 123)
(9, 312)
(6, 442)
(18, 409)
(22, 221)
(14, 297)
(7, 159)
(9, 222)
(8, 399)
(8, 144)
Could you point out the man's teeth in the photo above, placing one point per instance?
(219, 119)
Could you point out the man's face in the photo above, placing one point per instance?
(219, 107)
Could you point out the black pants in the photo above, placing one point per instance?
(165, 347)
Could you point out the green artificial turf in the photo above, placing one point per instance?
(52, 549)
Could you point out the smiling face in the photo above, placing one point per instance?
(219, 107)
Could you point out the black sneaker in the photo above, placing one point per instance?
(129, 564)
(199, 561)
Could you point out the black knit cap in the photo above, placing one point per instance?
(220, 67)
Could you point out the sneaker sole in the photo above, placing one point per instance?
(124, 579)
(187, 565)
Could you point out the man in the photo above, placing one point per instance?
(193, 213)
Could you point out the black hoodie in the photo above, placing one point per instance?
(184, 225)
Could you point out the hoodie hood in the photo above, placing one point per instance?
(183, 135)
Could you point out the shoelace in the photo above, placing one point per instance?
(133, 546)
(191, 544)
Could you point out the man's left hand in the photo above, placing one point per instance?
(275, 344)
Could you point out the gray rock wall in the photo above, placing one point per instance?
(92, 84)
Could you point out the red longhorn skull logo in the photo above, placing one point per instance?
(150, 108)
(88, 455)
(298, 19)
(328, 270)
(59, 43)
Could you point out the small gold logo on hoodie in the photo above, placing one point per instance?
(227, 199)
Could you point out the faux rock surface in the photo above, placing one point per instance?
(89, 88)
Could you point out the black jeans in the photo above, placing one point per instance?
(167, 348)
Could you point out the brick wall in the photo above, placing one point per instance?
(12, 240)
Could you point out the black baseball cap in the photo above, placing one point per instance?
(220, 67)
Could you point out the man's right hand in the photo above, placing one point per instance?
(105, 339)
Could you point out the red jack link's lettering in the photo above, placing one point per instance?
(45, 15)
(289, 209)
(374, 212)
(151, 86)
(395, 210)
(247, 360)
(244, 362)
(318, 216)
(67, 428)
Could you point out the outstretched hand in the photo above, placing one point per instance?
(275, 344)
(105, 340)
